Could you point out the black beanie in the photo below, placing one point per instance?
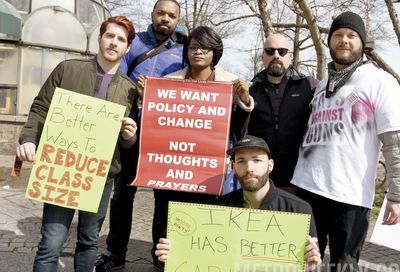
(349, 20)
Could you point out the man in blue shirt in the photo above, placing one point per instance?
(156, 52)
(163, 32)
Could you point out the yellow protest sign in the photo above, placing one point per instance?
(209, 238)
(75, 151)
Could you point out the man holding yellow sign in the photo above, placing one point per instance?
(252, 164)
(98, 77)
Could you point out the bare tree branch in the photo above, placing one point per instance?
(394, 18)
(374, 56)
(247, 2)
(307, 47)
(305, 26)
(296, 43)
(233, 19)
(265, 17)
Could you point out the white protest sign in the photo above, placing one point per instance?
(386, 235)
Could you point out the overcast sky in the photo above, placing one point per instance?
(236, 57)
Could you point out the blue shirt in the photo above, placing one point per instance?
(161, 64)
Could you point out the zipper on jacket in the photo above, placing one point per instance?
(286, 90)
(274, 119)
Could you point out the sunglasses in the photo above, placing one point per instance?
(203, 49)
(281, 51)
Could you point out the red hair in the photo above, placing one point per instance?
(121, 21)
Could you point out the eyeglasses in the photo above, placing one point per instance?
(281, 51)
(203, 49)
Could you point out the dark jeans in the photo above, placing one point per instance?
(121, 214)
(55, 226)
(121, 206)
(343, 225)
(160, 218)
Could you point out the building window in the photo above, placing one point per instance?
(68, 5)
(20, 5)
(7, 100)
(8, 63)
(90, 13)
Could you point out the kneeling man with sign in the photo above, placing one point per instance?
(256, 226)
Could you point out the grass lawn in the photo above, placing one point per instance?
(379, 196)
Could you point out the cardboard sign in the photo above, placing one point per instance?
(224, 239)
(184, 135)
(75, 151)
(386, 235)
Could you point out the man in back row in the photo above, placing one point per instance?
(156, 52)
(354, 111)
(281, 111)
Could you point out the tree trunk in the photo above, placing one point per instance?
(394, 18)
(296, 42)
(265, 17)
(315, 35)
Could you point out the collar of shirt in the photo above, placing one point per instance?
(211, 77)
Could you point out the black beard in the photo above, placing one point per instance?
(261, 183)
(276, 71)
(346, 60)
(166, 34)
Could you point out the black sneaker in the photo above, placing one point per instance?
(108, 262)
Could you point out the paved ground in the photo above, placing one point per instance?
(20, 224)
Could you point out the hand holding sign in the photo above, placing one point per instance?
(141, 79)
(26, 152)
(313, 256)
(242, 90)
(128, 129)
(163, 249)
(384, 234)
(392, 213)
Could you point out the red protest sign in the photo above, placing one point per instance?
(184, 135)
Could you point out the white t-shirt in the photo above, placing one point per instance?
(340, 149)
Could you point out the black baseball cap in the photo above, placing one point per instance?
(249, 141)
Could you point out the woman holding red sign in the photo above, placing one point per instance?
(202, 52)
